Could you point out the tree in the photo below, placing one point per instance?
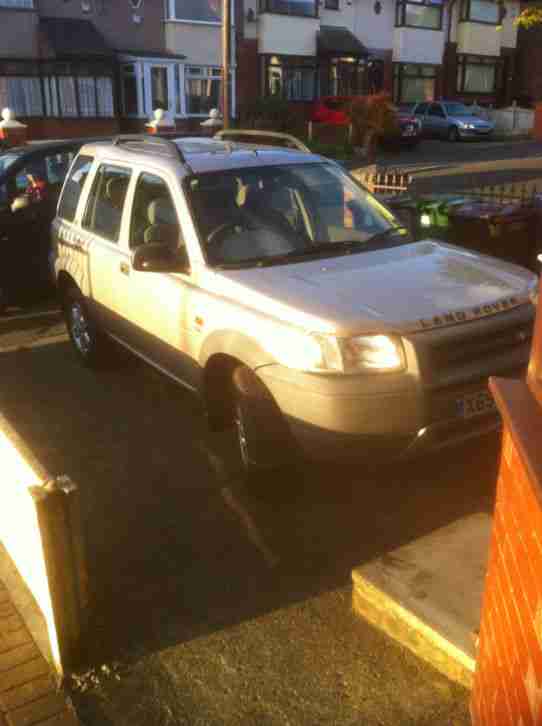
(529, 17)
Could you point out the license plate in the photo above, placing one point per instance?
(475, 404)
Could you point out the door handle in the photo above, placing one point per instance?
(125, 268)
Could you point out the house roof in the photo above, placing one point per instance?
(338, 40)
(71, 37)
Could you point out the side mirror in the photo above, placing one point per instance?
(20, 202)
(159, 257)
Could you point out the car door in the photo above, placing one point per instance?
(154, 306)
(437, 123)
(100, 234)
(419, 111)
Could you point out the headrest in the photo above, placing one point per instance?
(161, 211)
(115, 190)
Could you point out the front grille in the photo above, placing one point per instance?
(474, 351)
(481, 347)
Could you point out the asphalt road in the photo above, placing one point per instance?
(212, 603)
(441, 166)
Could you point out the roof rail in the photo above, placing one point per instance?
(292, 140)
(165, 147)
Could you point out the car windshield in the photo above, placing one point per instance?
(457, 109)
(277, 214)
(7, 160)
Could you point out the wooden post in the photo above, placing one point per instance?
(226, 61)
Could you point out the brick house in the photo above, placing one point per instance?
(92, 67)
(415, 50)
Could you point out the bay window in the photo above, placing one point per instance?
(478, 74)
(425, 15)
(414, 82)
(18, 4)
(195, 11)
(291, 77)
(300, 8)
(488, 12)
(202, 88)
(22, 94)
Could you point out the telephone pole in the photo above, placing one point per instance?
(226, 61)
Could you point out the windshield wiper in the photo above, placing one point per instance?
(381, 236)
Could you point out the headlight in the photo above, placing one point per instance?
(467, 126)
(328, 354)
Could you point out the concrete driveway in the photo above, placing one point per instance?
(213, 603)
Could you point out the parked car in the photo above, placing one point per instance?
(333, 110)
(31, 178)
(270, 283)
(452, 120)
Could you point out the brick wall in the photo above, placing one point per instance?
(529, 63)
(52, 128)
(508, 679)
(248, 71)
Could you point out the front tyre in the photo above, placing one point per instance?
(263, 441)
(85, 338)
(453, 134)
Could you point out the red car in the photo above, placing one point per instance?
(332, 110)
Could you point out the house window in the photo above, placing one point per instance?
(291, 77)
(159, 88)
(302, 8)
(196, 11)
(478, 74)
(413, 82)
(488, 12)
(202, 88)
(129, 89)
(22, 94)
(20, 4)
(426, 15)
(348, 77)
(332, 5)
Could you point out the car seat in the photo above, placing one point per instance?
(162, 226)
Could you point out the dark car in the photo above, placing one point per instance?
(31, 178)
(333, 110)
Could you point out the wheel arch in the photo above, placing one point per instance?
(221, 354)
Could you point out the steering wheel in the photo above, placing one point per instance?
(218, 233)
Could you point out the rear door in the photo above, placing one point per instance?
(100, 234)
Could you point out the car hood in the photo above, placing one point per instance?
(402, 289)
(474, 120)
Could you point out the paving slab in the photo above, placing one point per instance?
(427, 594)
(28, 691)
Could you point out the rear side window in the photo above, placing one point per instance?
(73, 188)
(105, 204)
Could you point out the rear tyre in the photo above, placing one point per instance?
(453, 134)
(263, 441)
(87, 341)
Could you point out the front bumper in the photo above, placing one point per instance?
(328, 423)
(475, 133)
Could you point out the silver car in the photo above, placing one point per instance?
(452, 120)
(288, 298)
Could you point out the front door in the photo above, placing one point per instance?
(154, 305)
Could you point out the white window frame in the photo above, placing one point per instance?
(143, 67)
(18, 4)
(171, 16)
(172, 96)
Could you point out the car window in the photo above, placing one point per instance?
(261, 214)
(57, 165)
(457, 109)
(103, 214)
(73, 187)
(421, 108)
(6, 160)
(154, 218)
(436, 110)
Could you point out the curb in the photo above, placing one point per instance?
(427, 594)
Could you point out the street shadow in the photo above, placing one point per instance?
(177, 547)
